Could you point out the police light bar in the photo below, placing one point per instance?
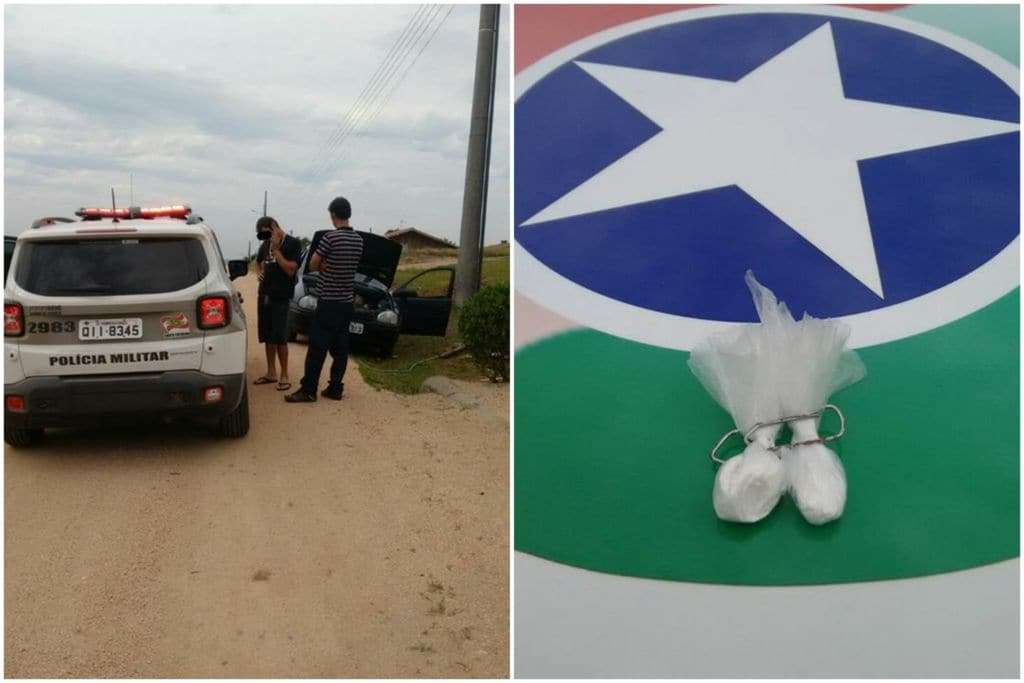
(95, 213)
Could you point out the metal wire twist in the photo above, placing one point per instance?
(782, 420)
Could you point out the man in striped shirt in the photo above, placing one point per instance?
(336, 258)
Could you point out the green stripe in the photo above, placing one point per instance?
(994, 27)
(612, 471)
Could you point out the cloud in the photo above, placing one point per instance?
(129, 97)
(212, 105)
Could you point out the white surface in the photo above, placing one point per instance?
(957, 299)
(575, 623)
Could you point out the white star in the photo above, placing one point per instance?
(784, 133)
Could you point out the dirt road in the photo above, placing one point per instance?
(362, 538)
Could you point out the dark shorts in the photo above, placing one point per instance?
(272, 321)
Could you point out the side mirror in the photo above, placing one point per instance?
(238, 268)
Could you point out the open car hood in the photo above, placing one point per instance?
(380, 256)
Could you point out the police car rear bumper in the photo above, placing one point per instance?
(84, 400)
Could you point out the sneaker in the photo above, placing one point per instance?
(333, 393)
(300, 396)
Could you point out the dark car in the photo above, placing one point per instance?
(381, 313)
(9, 243)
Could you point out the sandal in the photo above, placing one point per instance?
(265, 380)
(284, 386)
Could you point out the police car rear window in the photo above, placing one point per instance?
(104, 267)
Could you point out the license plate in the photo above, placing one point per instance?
(355, 328)
(115, 328)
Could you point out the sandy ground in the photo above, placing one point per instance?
(362, 538)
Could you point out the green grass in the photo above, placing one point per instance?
(494, 271)
(391, 373)
(413, 256)
(496, 250)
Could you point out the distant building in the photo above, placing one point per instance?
(411, 238)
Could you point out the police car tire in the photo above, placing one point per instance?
(236, 423)
(22, 438)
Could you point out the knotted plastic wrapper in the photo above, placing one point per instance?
(762, 373)
(732, 366)
(749, 485)
(811, 362)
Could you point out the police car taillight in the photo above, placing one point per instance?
(15, 403)
(214, 311)
(14, 320)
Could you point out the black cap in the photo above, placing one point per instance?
(265, 223)
(340, 208)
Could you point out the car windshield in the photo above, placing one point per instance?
(103, 267)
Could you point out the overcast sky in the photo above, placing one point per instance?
(210, 105)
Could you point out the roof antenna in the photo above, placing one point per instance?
(131, 189)
(113, 202)
(264, 202)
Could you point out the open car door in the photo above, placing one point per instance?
(425, 302)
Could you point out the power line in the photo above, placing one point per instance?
(394, 85)
(372, 86)
(372, 101)
(358, 102)
(367, 87)
(401, 78)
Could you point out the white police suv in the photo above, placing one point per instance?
(127, 313)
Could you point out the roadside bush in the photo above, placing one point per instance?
(483, 326)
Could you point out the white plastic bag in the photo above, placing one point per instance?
(761, 374)
(811, 362)
(748, 486)
(731, 367)
(816, 477)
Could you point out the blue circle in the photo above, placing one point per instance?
(936, 214)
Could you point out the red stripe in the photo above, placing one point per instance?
(542, 29)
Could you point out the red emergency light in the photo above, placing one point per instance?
(95, 213)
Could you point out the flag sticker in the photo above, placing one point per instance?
(175, 325)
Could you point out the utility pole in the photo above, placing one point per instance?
(478, 160)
